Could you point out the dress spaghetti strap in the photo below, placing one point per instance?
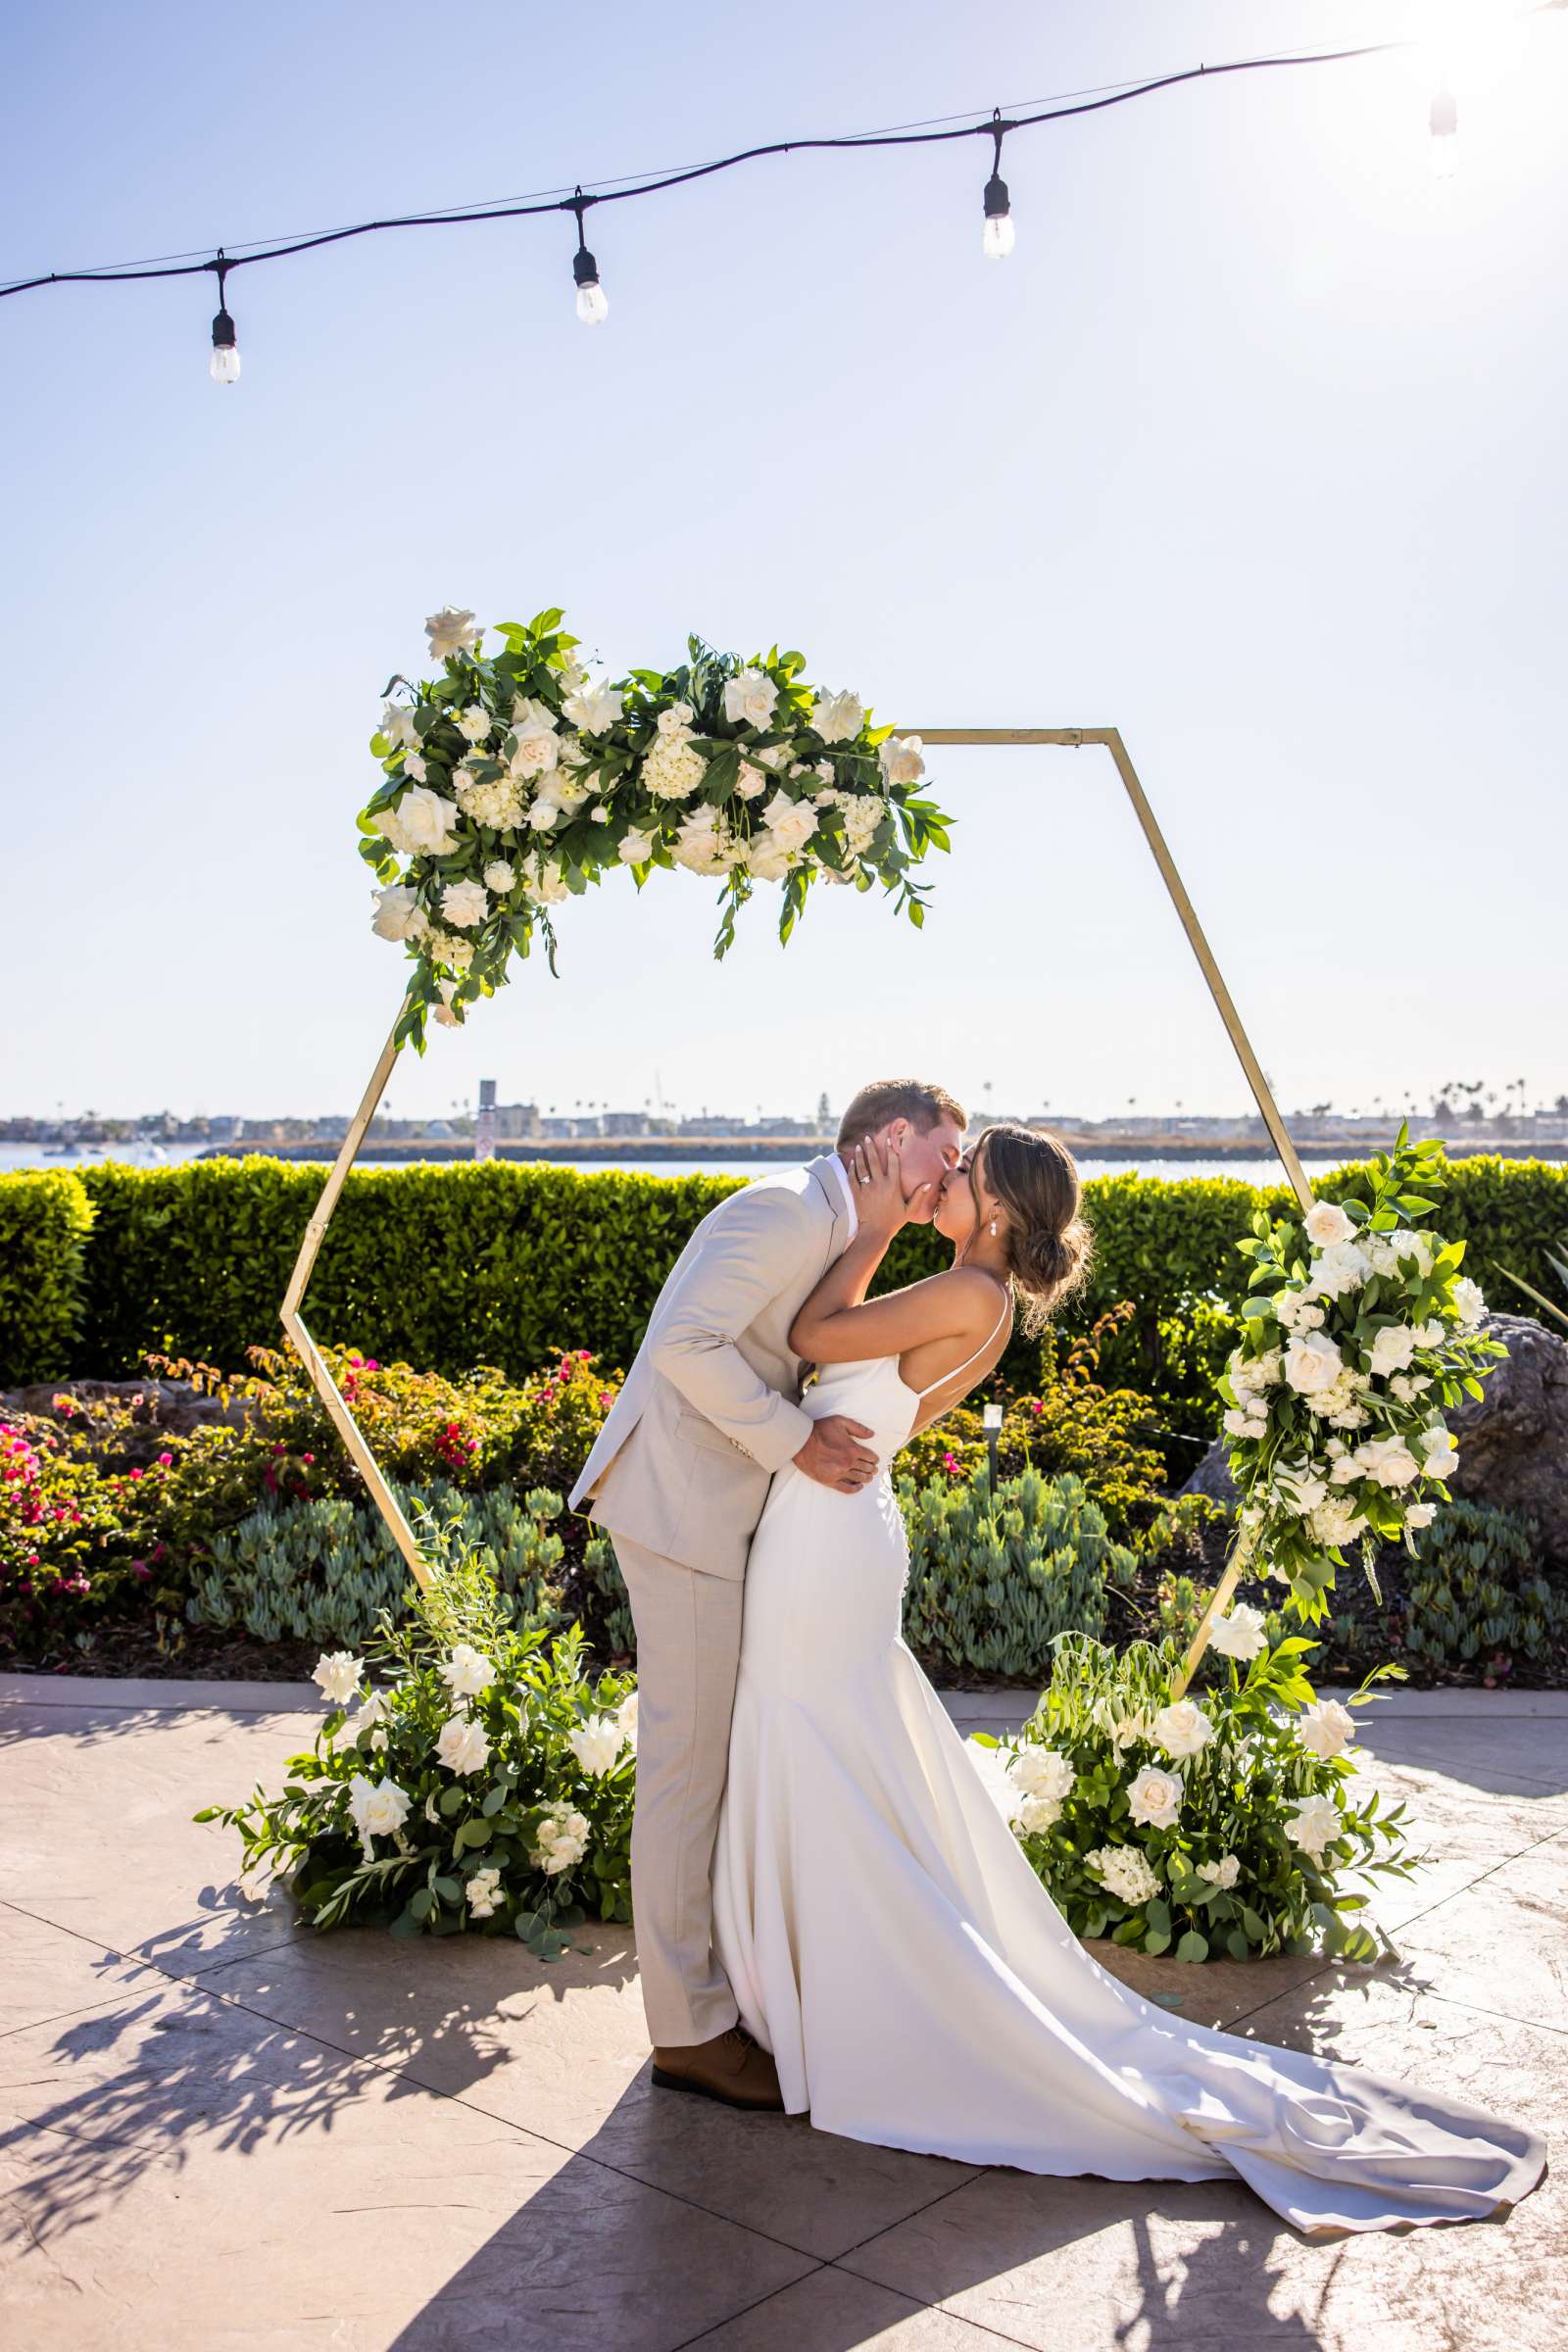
(1006, 1309)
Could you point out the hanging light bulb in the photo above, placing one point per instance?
(1445, 120)
(592, 303)
(223, 366)
(996, 242)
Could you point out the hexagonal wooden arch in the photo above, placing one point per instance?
(1075, 738)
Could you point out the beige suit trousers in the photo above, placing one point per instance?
(688, 1649)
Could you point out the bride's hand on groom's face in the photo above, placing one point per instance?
(876, 1171)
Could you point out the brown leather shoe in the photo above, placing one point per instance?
(732, 2067)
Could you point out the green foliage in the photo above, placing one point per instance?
(503, 1264)
(326, 1569)
(524, 1835)
(45, 1223)
(1475, 1592)
(995, 1577)
(1100, 1726)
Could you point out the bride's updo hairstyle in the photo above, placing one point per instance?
(1035, 1178)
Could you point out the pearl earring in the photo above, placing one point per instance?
(992, 1224)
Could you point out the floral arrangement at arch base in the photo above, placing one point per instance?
(1226, 1828)
(516, 781)
(485, 1786)
(1359, 1330)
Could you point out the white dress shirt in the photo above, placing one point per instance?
(848, 1190)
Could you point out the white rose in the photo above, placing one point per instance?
(544, 814)
(336, 1674)
(596, 1744)
(1223, 1874)
(901, 761)
(1182, 1730)
(703, 844)
(1388, 1462)
(1041, 1772)
(474, 723)
(1470, 1300)
(1155, 1797)
(462, 1745)
(1034, 1815)
(500, 877)
(1439, 1453)
(1312, 1363)
(626, 1717)
(444, 1014)
(1315, 1825)
(749, 699)
(790, 823)
(1326, 1224)
(1241, 1422)
(450, 631)
(425, 823)
(676, 720)
(414, 765)
(468, 1671)
(1128, 1733)
(398, 912)
(1240, 1634)
(767, 861)
(751, 781)
(837, 717)
(1420, 1514)
(636, 849)
(546, 882)
(1430, 1333)
(378, 1808)
(1298, 1490)
(465, 902)
(484, 1892)
(1392, 1348)
(397, 725)
(1327, 1729)
(594, 709)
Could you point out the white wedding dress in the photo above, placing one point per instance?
(887, 1939)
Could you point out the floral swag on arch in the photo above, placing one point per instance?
(516, 781)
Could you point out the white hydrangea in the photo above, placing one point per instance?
(500, 876)
(563, 1839)
(498, 802)
(484, 1892)
(1336, 1521)
(672, 770)
(1125, 1873)
(474, 723)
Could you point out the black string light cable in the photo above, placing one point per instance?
(592, 304)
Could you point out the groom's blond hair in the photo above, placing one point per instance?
(885, 1099)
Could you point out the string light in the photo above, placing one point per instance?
(592, 303)
(998, 240)
(223, 366)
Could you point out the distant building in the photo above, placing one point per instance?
(625, 1122)
(517, 1119)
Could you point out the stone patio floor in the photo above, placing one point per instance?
(223, 2131)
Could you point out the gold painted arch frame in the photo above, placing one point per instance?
(1072, 738)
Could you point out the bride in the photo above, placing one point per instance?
(885, 1935)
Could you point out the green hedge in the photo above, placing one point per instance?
(45, 1219)
(499, 1263)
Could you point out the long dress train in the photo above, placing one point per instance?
(887, 1939)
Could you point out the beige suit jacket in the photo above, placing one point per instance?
(709, 1408)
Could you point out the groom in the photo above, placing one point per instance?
(678, 1477)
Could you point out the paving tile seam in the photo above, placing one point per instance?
(112, 1951)
(772, 2295)
(1505, 2017)
(456, 2098)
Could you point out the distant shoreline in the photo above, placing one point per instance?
(775, 1151)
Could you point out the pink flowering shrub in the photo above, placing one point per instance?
(73, 1536)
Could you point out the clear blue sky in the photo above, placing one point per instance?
(1255, 449)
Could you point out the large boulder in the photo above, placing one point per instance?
(1513, 1442)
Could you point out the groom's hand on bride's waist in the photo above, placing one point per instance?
(833, 1455)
